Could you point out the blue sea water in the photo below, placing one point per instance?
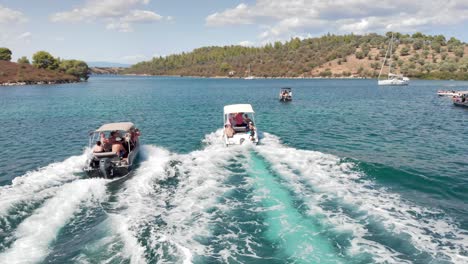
(348, 172)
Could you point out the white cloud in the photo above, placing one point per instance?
(117, 14)
(281, 19)
(9, 16)
(25, 36)
(246, 43)
(241, 14)
(133, 58)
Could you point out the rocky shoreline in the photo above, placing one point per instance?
(37, 83)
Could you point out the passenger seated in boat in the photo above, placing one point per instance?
(228, 130)
(240, 120)
(108, 142)
(247, 120)
(118, 148)
(98, 147)
(252, 131)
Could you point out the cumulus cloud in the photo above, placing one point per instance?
(117, 14)
(281, 19)
(246, 43)
(10, 16)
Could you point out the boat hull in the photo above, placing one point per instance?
(110, 167)
(240, 139)
(393, 82)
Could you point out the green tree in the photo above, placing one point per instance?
(459, 52)
(76, 68)
(5, 54)
(418, 44)
(359, 55)
(43, 60)
(225, 67)
(23, 60)
(404, 51)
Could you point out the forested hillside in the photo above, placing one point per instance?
(416, 55)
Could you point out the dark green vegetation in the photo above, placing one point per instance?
(45, 69)
(417, 55)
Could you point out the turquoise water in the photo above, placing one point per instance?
(346, 173)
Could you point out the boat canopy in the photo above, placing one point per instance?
(286, 89)
(238, 108)
(125, 126)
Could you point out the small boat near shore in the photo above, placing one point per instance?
(447, 93)
(115, 155)
(285, 94)
(461, 99)
(239, 125)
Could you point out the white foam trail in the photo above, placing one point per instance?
(331, 179)
(184, 208)
(35, 233)
(138, 201)
(38, 184)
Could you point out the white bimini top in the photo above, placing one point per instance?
(125, 126)
(238, 108)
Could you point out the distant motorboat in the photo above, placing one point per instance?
(241, 129)
(392, 78)
(285, 94)
(461, 99)
(447, 93)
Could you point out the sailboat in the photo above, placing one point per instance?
(392, 79)
(250, 77)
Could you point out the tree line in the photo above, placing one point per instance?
(416, 55)
(44, 60)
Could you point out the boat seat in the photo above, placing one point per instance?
(240, 129)
(105, 154)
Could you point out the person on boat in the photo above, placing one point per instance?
(252, 131)
(135, 134)
(228, 130)
(98, 147)
(247, 120)
(118, 148)
(239, 119)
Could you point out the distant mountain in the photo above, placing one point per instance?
(106, 64)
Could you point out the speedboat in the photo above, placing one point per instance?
(461, 99)
(239, 125)
(285, 94)
(105, 163)
(447, 93)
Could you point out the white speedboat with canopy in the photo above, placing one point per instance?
(103, 161)
(239, 125)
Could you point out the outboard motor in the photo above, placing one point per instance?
(106, 167)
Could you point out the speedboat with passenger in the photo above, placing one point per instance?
(112, 156)
(285, 94)
(461, 99)
(239, 125)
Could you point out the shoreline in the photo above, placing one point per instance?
(36, 83)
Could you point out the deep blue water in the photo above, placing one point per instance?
(348, 172)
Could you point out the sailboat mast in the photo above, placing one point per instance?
(385, 59)
(390, 56)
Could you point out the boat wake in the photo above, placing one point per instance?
(216, 205)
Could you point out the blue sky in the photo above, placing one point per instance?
(128, 31)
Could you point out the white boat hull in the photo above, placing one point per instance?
(240, 138)
(393, 82)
